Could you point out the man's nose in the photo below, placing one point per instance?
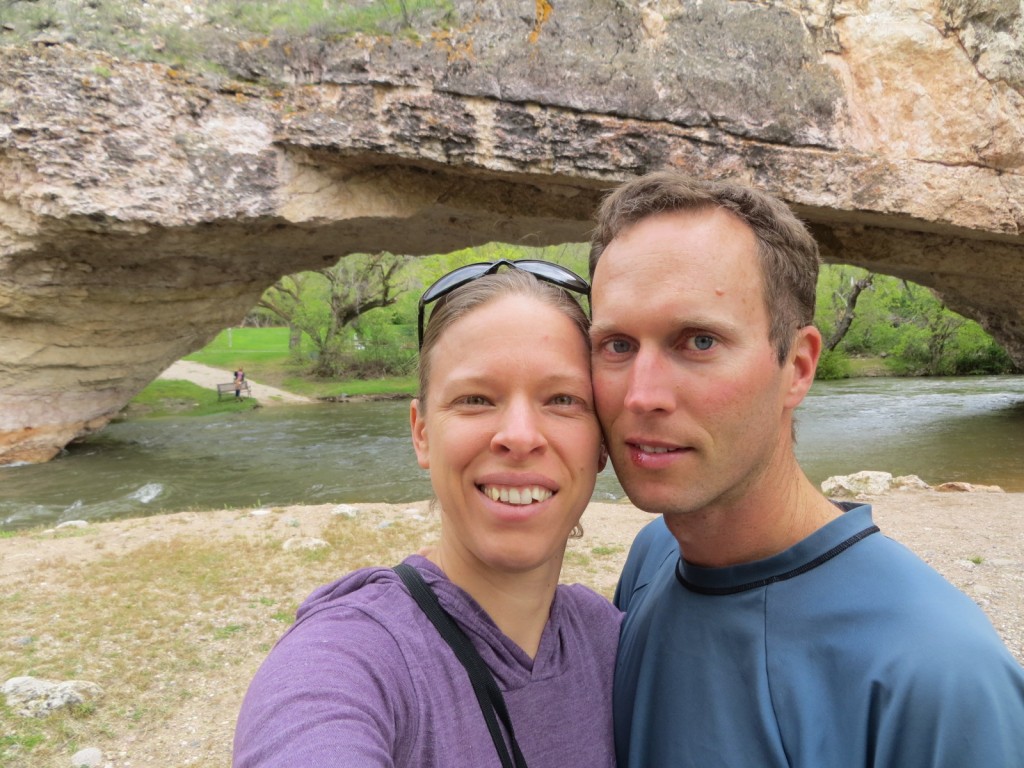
(650, 386)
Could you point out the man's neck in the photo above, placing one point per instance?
(753, 527)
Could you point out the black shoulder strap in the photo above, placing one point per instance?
(484, 686)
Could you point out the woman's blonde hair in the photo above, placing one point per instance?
(484, 290)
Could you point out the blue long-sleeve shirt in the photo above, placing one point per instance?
(845, 650)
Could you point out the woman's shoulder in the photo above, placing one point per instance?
(369, 595)
(585, 601)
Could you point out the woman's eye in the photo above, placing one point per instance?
(564, 400)
(473, 400)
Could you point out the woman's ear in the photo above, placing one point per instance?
(418, 422)
(602, 457)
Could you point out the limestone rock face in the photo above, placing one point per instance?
(144, 208)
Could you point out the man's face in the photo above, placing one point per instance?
(695, 407)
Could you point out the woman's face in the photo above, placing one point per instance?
(509, 434)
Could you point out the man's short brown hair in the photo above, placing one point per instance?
(787, 252)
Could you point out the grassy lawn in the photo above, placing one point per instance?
(868, 366)
(264, 354)
(170, 398)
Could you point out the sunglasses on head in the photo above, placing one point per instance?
(542, 270)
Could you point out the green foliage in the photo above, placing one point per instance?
(379, 342)
(833, 364)
(896, 323)
(167, 33)
(974, 352)
(326, 18)
(327, 306)
(906, 325)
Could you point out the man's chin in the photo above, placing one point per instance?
(653, 500)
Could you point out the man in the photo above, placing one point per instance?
(765, 625)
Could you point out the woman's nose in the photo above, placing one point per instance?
(519, 431)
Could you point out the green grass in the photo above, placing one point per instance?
(264, 354)
(133, 30)
(165, 397)
(867, 366)
(300, 17)
(235, 346)
(395, 385)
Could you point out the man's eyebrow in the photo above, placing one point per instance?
(681, 323)
(600, 329)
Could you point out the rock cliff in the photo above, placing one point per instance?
(144, 207)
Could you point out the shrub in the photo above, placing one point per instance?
(833, 364)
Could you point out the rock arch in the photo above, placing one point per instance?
(144, 208)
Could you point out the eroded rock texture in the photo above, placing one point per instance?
(143, 209)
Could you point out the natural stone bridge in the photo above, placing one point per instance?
(143, 209)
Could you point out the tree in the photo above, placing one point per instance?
(927, 331)
(323, 304)
(848, 302)
(289, 299)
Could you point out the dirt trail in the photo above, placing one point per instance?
(206, 376)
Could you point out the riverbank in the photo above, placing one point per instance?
(171, 615)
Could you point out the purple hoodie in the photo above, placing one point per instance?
(363, 679)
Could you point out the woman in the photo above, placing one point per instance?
(505, 424)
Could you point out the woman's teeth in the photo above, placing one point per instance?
(508, 495)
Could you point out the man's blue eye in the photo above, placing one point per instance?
(703, 342)
(619, 346)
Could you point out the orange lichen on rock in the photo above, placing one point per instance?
(543, 13)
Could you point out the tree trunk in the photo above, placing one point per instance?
(843, 326)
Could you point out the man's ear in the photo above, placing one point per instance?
(602, 457)
(802, 363)
(418, 422)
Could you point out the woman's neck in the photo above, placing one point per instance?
(519, 603)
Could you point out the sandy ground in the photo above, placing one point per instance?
(976, 540)
(205, 376)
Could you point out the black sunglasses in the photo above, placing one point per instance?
(542, 270)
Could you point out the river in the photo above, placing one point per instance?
(941, 429)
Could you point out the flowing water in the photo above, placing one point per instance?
(969, 429)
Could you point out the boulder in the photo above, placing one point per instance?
(960, 487)
(35, 697)
(865, 483)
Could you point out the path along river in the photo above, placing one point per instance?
(941, 429)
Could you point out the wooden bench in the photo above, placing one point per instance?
(228, 390)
